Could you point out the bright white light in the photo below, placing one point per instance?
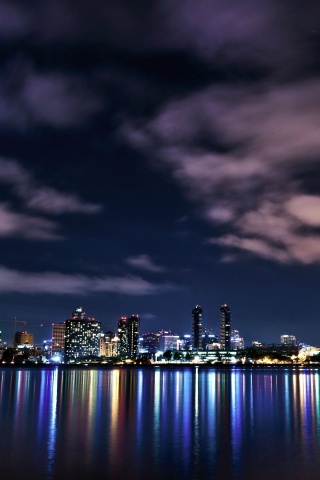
(56, 359)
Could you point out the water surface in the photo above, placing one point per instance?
(159, 423)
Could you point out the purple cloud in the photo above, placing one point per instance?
(29, 98)
(39, 198)
(144, 262)
(22, 225)
(269, 136)
(58, 283)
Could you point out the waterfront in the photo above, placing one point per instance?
(157, 423)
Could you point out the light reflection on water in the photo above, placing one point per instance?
(159, 423)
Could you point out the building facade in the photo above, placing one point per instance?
(288, 340)
(237, 342)
(23, 338)
(169, 342)
(225, 327)
(197, 328)
(82, 337)
(58, 338)
(151, 342)
(128, 335)
(209, 341)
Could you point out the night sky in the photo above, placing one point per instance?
(159, 155)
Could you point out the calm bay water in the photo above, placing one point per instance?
(159, 423)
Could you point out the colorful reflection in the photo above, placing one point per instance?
(154, 423)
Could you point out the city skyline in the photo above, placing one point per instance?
(160, 156)
(129, 328)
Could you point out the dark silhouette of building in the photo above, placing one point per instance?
(225, 327)
(197, 328)
(128, 334)
(82, 337)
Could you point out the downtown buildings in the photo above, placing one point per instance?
(79, 338)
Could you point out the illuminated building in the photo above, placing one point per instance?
(151, 342)
(58, 338)
(288, 340)
(237, 342)
(185, 342)
(169, 342)
(82, 337)
(128, 333)
(225, 327)
(23, 338)
(209, 341)
(107, 345)
(197, 328)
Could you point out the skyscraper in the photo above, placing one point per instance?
(151, 342)
(58, 338)
(197, 328)
(82, 337)
(225, 327)
(128, 333)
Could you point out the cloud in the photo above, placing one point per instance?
(39, 198)
(305, 208)
(243, 155)
(224, 31)
(51, 201)
(148, 316)
(22, 225)
(29, 98)
(27, 219)
(57, 283)
(15, 21)
(144, 262)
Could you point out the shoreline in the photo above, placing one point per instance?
(82, 366)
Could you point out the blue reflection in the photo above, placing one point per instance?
(52, 430)
(197, 423)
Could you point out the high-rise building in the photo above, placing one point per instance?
(197, 328)
(151, 342)
(128, 334)
(225, 327)
(288, 340)
(82, 337)
(58, 338)
(23, 338)
(169, 342)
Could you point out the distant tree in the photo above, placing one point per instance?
(167, 355)
(188, 356)
(176, 355)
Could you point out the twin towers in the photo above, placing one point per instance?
(225, 327)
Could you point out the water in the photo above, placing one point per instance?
(159, 424)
